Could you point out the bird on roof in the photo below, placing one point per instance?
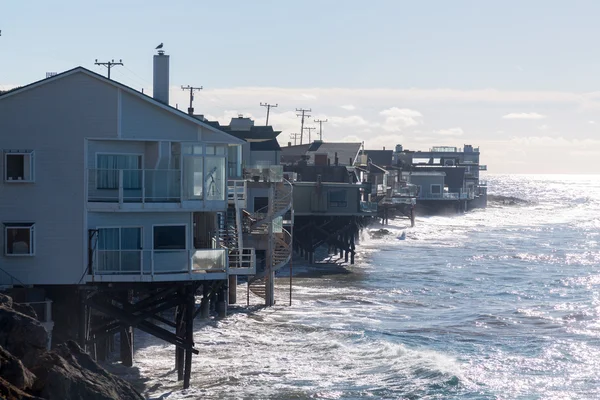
(159, 46)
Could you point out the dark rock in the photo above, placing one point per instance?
(69, 373)
(25, 309)
(6, 300)
(11, 392)
(13, 371)
(22, 336)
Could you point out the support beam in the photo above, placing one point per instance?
(189, 335)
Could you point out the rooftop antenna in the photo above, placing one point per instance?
(320, 121)
(268, 109)
(303, 111)
(191, 89)
(109, 64)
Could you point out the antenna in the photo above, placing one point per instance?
(109, 64)
(191, 89)
(303, 111)
(294, 136)
(309, 129)
(268, 109)
(320, 121)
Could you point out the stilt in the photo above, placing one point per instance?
(126, 336)
(83, 328)
(189, 335)
(205, 303)
(179, 331)
(352, 246)
(222, 302)
(232, 289)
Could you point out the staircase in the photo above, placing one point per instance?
(269, 221)
(241, 260)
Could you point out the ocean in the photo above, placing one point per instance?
(501, 303)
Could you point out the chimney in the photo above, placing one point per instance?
(336, 159)
(289, 144)
(383, 147)
(161, 77)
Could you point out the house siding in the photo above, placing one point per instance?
(53, 119)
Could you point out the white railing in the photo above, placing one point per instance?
(150, 262)
(134, 185)
(368, 206)
(446, 196)
(237, 191)
(244, 263)
(266, 173)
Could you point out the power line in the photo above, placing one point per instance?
(109, 64)
(303, 111)
(320, 121)
(268, 109)
(191, 89)
(294, 136)
(309, 129)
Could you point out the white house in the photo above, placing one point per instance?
(101, 183)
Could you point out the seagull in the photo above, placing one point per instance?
(159, 46)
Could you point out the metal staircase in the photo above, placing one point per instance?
(270, 221)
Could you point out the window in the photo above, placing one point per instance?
(108, 166)
(172, 237)
(436, 189)
(18, 166)
(337, 198)
(18, 239)
(119, 249)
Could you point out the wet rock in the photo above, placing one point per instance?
(22, 336)
(25, 309)
(69, 373)
(11, 392)
(13, 371)
(6, 300)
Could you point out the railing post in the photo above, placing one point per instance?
(141, 262)
(120, 187)
(48, 310)
(152, 263)
(143, 186)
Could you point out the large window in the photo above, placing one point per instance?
(19, 239)
(18, 166)
(119, 249)
(170, 237)
(436, 189)
(108, 166)
(214, 177)
(337, 198)
(204, 172)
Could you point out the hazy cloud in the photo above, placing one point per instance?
(524, 116)
(450, 132)
(398, 118)
(348, 107)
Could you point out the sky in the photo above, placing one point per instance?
(519, 79)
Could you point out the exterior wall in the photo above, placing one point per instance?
(264, 158)
(143, 120)
(425, 181)
(308, 201)
(53, 119)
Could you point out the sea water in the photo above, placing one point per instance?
(501, 303)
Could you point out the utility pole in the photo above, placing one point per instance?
(294, 136)
(268, 109)
(320, 121)
(109, 64)
(191, 89)
(309, 129)
(303, 111)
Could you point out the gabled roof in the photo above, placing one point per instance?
(121, 86)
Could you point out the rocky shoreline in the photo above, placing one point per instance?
(29, 371)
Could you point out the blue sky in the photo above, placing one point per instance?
(518, 78)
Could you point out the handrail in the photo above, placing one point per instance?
(12, 277)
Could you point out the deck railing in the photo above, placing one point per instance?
(237, 191)
(150, 262)
(446, 196)
(134, 185)
(368, 206)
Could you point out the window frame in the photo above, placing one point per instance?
(20, 225)
(31, 154)
(436, 184)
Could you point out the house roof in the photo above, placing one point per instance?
(380, 157)
(143, 96)
(265, 145)
(344, 151)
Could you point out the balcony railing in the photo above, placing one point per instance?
(150, 262)
(134, 185)
(268, 173)
(446, 196)
(368, 206)
(243, 263)
(237, 192)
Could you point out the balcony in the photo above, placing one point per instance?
(446, 196)
(237, 192)
(112, 189)
(242, 263)
(368, 206)
(158, 265)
